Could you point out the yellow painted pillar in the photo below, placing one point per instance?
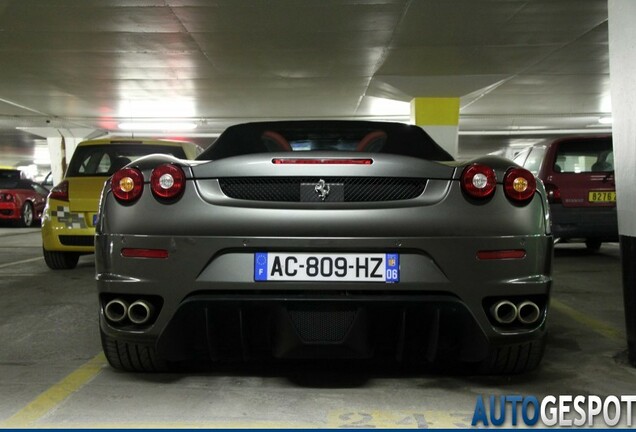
(439, 117)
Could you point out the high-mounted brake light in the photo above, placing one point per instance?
(60, 192)
(519, 184)
(479, 181)
(167, 182)
(289, 161)
(127, 184)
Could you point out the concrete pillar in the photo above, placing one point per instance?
(622, 49)
(439, 117)
(61, 149)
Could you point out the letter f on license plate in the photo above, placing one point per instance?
(326, 267)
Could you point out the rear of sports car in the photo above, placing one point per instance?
(318, 253)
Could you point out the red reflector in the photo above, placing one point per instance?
(501, 254)
(144, 253)
(287, 161)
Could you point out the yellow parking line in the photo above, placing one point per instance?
(599, 327)
(55, 395)
(20, 262)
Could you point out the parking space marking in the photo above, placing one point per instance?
(238, 424)
(397, 419)
(21, 262)
(55, 395)
(339, 419)
(598, 326)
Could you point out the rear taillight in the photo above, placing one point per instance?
(127, 185)
(60, 192)
(519, 185)
(553, 193)
(6, 197)
(167, 182)
(479, 181)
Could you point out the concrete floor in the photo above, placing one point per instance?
(52, 372)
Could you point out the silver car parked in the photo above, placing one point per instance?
(323, 239)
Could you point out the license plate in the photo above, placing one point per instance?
(327, 267)
(601, 196)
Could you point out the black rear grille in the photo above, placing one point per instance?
(288, 189)
(77, 240)
(322, 326)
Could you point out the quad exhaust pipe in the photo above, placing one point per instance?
(139, 312)
(529, 312)
(506, 312)
(116, 310)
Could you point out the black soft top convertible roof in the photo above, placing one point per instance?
(325, 135)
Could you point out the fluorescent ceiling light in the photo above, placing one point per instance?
(605, 120)
(157, 126)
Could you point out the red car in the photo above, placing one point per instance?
(21, 201)
(578, 174)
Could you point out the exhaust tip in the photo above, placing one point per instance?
(116, 310)
(139, 312)
(529, 312)
(504, 312)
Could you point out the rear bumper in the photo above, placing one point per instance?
(67, 231)
(9, 211)
(423, 327)
(207, 304)
(586, 222)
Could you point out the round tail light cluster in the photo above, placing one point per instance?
(480, 181)
(127, 184)
(519, 184)
(167, 182)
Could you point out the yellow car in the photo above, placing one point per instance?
(68, 222)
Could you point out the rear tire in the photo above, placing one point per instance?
(132, 357)
(61, 260)
(513, 359)
(27, 215)
(593, 245)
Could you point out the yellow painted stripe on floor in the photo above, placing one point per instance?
(54, 396)
(599, 327)
(21, 262)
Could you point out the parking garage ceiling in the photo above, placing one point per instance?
(82, 67)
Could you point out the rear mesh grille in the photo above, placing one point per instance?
(77, 240)
(322, 326)
(288, 189)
